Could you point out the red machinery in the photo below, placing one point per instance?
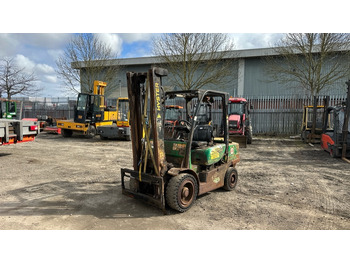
(240, 128)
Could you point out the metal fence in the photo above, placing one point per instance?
(282, 115)
(40, 107)
(274, 115)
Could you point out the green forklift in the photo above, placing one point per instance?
(170, 169)
(8, 109)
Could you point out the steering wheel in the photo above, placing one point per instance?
(184, 123)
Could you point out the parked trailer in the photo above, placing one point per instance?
(17, 131)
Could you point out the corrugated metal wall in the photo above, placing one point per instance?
(257, 83)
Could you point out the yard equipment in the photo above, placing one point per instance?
(14, 131)
(332, 136)
(173, 114)
(172, 170)
(89, 113)
(335, 137)
(8, 109)
(240, 126)
(120, 129)
(306, 125)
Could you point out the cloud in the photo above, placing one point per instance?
(113, 40)
(51, 79)
(50, 41)
(44, 69)
(30, 66)
(130, 38)
(44, 73)
(24, 62)
(55, 53)
(8, 45)
(251, 41)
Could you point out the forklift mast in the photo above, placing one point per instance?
(141, 88)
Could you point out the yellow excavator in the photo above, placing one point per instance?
(89, 114)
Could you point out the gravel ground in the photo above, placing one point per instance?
(74, 183)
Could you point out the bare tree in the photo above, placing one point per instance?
(14, 79)
(195, 60)
(313, 61)
(85, 60)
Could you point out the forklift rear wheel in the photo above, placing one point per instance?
(66, 132)
(231, 178)
(181, 192)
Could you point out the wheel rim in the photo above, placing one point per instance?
(186, 193)
(232, 179)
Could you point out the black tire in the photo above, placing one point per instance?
(249, 135)
(231, 178)
(128, 138)
(181, 192)
(66, 132)
(91, 132)
(304, 136)
(333, 152)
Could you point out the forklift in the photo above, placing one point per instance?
(335, 137)
(172, 170)
(89, 113)
(120, 129)
(306, 125)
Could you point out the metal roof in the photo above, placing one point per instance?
(150, 60)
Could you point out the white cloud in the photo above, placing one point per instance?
(30, 66)
(55, 53)
(24, 62)
(113, 40)
(251, 41)
(51, 41)
(130, 38)
(51, 79)
(44, 69)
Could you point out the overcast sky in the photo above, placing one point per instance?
(256, 24)
(38, 52)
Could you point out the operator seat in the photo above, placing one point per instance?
(202, 135)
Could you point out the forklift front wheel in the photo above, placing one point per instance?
(181, 192)
(231, 178)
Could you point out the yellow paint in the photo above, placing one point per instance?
(216, 180)
(214, 154)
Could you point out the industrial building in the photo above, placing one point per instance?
(249, 78)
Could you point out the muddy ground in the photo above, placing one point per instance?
(74, 183)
